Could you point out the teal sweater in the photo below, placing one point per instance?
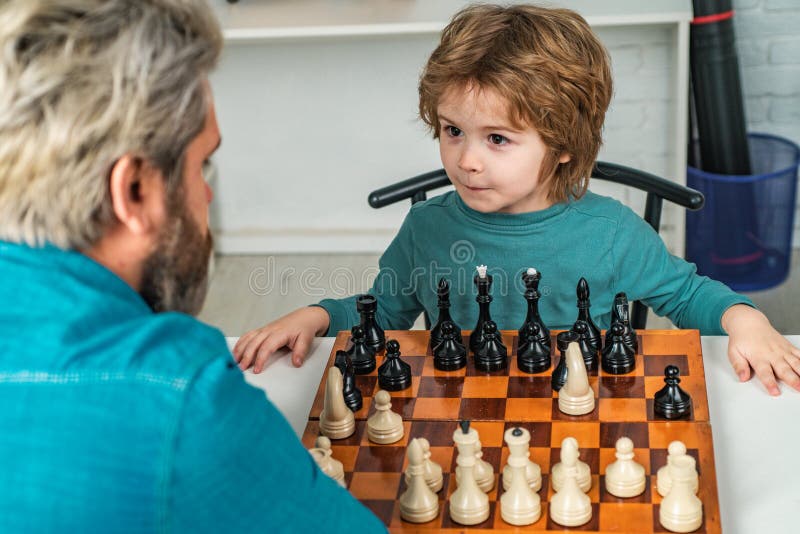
(595, 237)
(116, 419)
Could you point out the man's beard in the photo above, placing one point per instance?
(175, 275)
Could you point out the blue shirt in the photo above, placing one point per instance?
(594, 237)
(116, 419)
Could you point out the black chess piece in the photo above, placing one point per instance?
(620, 314)
(361, 354)
(492, 354)
(394, 374)
(559, 377)
(587, 350)
(352, 395)
(449, 354)
(443, 293)
(533, 356)
(367, 306)
(531, 280)
(672, 402)
(617, 358)
(584, 315)
(484, 285)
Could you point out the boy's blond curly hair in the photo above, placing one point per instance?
(548, 66)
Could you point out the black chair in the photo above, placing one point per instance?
(657, 189)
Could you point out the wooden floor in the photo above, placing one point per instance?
(248, 291)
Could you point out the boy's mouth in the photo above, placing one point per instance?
(477, 189)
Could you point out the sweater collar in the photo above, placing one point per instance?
(512, 219)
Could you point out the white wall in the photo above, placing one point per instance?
(768, 42)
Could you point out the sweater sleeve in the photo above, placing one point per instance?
(668, 284)
(395, 287)
(238, 467)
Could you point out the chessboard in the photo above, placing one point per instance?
(495, 401)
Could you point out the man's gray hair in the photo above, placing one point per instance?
(82, 83)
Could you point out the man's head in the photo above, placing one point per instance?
(546, 66)
(106, 118)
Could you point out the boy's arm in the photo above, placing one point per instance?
(238, 467)
(669, 285)
(394, 287)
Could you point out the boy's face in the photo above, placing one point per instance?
(494, 166)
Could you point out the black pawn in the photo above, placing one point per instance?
(532, 355)
(618, 358)
(671, 402)
(443, 293)
(492, 354)
(352, 395)
(559, 377)
(584, 304)
(449, 354)
(588, 351)
(394, 374)
(620, 314)
(361, 354)
(531, 280)
(367, 306)
(484, 299)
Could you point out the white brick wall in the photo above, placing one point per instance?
(768, 41)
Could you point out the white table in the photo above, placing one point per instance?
(755, 435)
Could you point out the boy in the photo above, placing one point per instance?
(517, 98)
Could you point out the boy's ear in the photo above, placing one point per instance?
(137, 195)
(564, 157)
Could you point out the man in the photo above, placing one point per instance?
(118, 410)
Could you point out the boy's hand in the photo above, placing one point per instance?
(294, 331)
(755, 344)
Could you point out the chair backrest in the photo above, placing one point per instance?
(657, 189)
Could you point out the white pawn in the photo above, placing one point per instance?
(625, 477)
(384, 426)
(519, 505)
(663, 478)
(584, 473)
(323, 455)
(431, 470)
(681, 510)
(468, 504)
(418, 504)
(570, 506)
(533, 473)
(576, 397)
(484, 472)
(336, 420)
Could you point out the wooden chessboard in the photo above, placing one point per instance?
(437, 400)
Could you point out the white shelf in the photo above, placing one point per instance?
(260, 20)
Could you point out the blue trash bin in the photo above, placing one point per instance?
(743, 235)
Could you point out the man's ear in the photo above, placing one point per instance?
(137, 194)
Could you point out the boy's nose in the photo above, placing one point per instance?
(468, 161)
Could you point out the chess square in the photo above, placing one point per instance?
(437, 408)
(383, 510)
(528, 409)
(380, 458)
(611, 432)
(529, 386)
(482, 409)
(625, 516)
(623, 409)
(621, 386)
(375, 486)
(440, 386)
(485, 387)
(654, 365)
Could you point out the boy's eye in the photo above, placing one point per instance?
(497, 139)
(452, 131)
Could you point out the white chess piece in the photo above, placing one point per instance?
(519, 505)
(570, 506)
(584, 473)
(663, 478)
(533, 473)
(484, 472)
(323, 455)
(431, 470)
(384, 426)
(625, 477)
(418, 504)
(336, 420)
(577, 396)
(681, 510)
(468, 504)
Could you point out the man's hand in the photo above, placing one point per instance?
(754, 343)
(294, 331)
